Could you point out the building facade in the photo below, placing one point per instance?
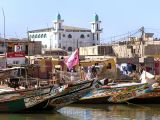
(14, 51)
(67, 37)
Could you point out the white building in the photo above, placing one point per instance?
(67, 37)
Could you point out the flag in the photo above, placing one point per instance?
(72, 60)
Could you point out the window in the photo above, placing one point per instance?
(59, 45)
(45, 35)
(93, 44)
(109, 66)
(15, 62)
(93, 36)
(97, 26)
(88, 35)
(93, 25)
(63, 35)
(32, 36)
(97, 37)
(41, 35)
(69, 48)
(36, 36)
(59, 25)
(69, 36)
(64, 47)
(82, 36)
(59, 36)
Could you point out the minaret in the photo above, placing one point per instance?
(58, 29)
(96, 30)
(58, 23)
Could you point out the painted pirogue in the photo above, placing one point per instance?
(43, 97)
(149, 98)
(15, 97)
(119, 93)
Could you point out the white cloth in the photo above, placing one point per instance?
(147, 77)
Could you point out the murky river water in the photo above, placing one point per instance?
(93, 112)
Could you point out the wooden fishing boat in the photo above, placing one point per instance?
(119, 93)
(43, 97)
(149, 98)
(71, 94)
(125, 95)
(6, 73)
(14, 99)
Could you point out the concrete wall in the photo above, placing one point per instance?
(99, 50)
(152, 49)
(123, 51)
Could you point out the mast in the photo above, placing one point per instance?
(142, 42)
(4, 28)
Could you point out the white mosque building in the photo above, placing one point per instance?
(67, 37)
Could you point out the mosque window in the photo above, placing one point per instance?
(69, 36)
(93, 36)
(97, 26)
(45, 35)
(41, 35)
(59, 36)
(69, 48)
(59, 46)
(82, 36)
(36, 36)
(32, 36)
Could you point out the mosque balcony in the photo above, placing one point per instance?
(97, 31)
(100, 30)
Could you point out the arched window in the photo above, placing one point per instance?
(41, 35)
(69, 36)
(32, 36)
(88, 35)
(45, 35)
(69, 48)
(82, 36)
(36, 36)
(63, 35)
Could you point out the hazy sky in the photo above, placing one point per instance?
(117, 16)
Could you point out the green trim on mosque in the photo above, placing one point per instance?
(96, 18)
(58, 17)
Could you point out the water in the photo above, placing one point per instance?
(93, 112)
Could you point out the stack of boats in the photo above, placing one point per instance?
(16, 95)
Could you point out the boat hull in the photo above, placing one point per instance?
(149, 98)
(73, 94)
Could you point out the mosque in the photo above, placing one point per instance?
(67, 37)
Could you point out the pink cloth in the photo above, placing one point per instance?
(72, 60)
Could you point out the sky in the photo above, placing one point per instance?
(117, 16)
